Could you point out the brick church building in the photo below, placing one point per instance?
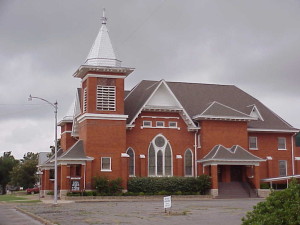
(162, 128)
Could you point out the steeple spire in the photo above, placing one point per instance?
(104, 19)
(102, 52)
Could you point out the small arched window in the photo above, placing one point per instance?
(130, 152)
(188, 163)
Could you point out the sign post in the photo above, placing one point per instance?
(167, 203)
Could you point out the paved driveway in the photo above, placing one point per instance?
(206, 212)
(10, 216)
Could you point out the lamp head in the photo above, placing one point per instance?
(30, 98)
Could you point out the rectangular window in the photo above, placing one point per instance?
(172, 124)
(84, 100)
(253, 143)
(282, 168)
(147, 123)
(51, 174)
(106, 98)
(160, 123)
(105, 163)
(199, 141)
(281, 143)
(78, 170)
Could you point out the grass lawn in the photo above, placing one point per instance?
(13, 198)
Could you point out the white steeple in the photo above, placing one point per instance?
(102, 52)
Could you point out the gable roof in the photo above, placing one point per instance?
(158, 93)
(196, 97)
(236, 154)
(217, 110)
(76, 152)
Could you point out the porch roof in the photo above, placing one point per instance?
(76, 152)
(236, 155)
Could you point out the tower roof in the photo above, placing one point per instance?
(102, 52)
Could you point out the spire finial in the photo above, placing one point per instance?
(104, 19)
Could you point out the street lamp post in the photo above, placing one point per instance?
(54, 105)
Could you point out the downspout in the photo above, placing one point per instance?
(84, 175)
(293, 158)
(195, 160)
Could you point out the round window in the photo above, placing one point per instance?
(160, 141)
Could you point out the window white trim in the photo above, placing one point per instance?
(254, 143)
(106, 169)
(199, 140)
(147, 121)
(172, 124)
(131, 175)
(192, 168)
(279, 169)
(284, 143)
(163, 150)
(84, 100)
(162, 123)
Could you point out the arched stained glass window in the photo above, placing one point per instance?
(160, 157)
(188, 163)
(152, 165)
(130, 152)
(168, 160)
(159, 163)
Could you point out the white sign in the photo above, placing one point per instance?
(167, 202)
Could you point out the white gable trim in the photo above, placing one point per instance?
(255, 110)
(246, 117)
(180, 108)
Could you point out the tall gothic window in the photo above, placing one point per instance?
(188, 163)
(160, 161)
(130, 152)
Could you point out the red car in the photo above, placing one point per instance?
(33, 190)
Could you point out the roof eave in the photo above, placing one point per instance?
(83, 69)
(273, 130)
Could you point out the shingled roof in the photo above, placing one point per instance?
(196, 98)
(236, 154)
(76, 152)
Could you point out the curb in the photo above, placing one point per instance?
(36, 217)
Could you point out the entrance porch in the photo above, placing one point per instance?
(226, 165)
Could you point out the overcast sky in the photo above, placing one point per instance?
(251, 44)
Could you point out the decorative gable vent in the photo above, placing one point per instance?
(84, 100)
(255, 113)
(106, 98)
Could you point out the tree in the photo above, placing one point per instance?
(280, 208)
(24, 174)
(7, 163)
(52, 147)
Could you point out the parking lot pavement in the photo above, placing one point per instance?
(10, 216)
(206, 212)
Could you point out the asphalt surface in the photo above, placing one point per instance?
(10, 216)
(206, 212)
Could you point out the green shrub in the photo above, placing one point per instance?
(101, 184)
(169, 185)
(115, 186)
(50, 193)
(74, 194)
(89, 193)
(104, 186)
(280, 208)
(264, 186)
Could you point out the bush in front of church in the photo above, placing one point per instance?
(281, 207)
(169, 185)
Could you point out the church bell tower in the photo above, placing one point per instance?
(102, 123)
